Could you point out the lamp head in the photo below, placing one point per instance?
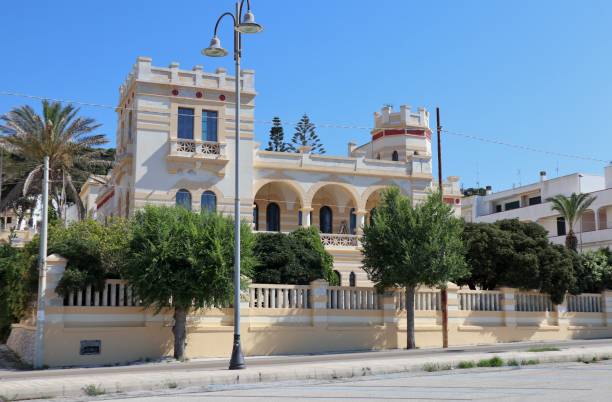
(248, 24)
(214, 49)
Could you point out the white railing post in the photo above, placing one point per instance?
(319, 302)
(606, 298)
(509, 306)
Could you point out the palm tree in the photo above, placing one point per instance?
(571, 209)
(62, 136)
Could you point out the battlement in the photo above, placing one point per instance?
(402, 118)
(143, 70)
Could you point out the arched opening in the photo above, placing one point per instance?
(288, 204)
(371, 203)
(326, 220)
(352, 280)
(183, 199)
(338, 277)
(255, 217)
(332, 205)
(208, 202)
(395, 156)
(273, 223)
(602, 218)
(353, 222)
(587, 222)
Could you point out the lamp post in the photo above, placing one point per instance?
(245, 25)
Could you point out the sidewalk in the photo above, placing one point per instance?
(41, 385)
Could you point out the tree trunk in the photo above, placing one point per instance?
(571, 241)
(410, 344)
(180, 332)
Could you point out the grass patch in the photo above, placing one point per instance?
(543, 349)
(512, 363)
(93, 390)
(529, 362)
(492, 362)
(431, 367)
(466, 365)
(172, 385)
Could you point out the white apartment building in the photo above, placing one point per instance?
(529, 204)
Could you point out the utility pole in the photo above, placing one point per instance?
(2, 182)
(443, 293)
(42, 272)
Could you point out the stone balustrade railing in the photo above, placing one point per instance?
(423, 300)
(532, 302)
(279, 296)
(585, 303)
(480, 300)
(115, 293)
(205, 149)
(339, 240)
(352, 298)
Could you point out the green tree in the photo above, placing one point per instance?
(305, 135)
(277, 137)
(297, 258)
(516, 254)
(408, 246)
(593, 271)
(59, 134)
(571, 209)
(182, 260)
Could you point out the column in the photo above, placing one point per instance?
(360, 221)
(318, 302)
(306, 216)
(508, 306)
(452, 308)
(607, 307)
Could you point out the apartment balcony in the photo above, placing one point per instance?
(201, 153)
(589, 240)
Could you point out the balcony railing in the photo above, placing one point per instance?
(206, 149)
(339, 240)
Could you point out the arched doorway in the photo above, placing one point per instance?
(273, 219)
(287, 202)
(183, 199)
(208, 201)
(331, 206)
(326, 220)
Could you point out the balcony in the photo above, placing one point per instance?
(202, 153)
(332, 240)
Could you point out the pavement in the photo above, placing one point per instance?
(209, 374)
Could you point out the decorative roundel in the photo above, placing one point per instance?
(221, 97)
(175, 92)
(198, 94)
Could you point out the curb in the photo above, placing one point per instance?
(203, 379)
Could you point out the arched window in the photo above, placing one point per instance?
(378, 156)
(395, 156)
(300, 217)
(352, 280)
(372, 213)
(256, 216)
(561, 226)
(325, 220)
(273, 217)
(338, 277)
(183, 199)
(353, 222)
(208, 202)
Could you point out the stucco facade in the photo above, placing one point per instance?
(175, 140)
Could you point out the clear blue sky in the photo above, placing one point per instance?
(536, 73)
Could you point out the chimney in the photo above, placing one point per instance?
(542, 175)
(488, 190)
(351, 148)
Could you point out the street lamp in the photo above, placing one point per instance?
(245, 25)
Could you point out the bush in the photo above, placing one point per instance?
(492, 362)
(593, 271)
(297, 258)
(95, 252)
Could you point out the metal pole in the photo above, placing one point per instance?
(42, 273)
(237, 360)
(443, 293)
(2, 182)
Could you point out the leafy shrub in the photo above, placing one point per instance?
(492, 362)
(466, 365)
(297, 258)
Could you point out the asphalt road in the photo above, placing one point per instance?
(560, 382)
(220, 364)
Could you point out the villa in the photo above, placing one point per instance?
(175, 146)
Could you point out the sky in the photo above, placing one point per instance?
(532, 73)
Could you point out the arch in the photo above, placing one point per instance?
(326, 219)
(208, 201)
(312, 191)
(602, 218)
(587, 221)
(273, 219)
(395, 156)
(338, 276)
(286, 196)
(183, 199)
(291, 184)
(352, 279)
(365, 196)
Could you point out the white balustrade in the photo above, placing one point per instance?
(339, 240)
(532, 301)
(206, 149)
(115, 293)
(423, 300)
(352, 298)
(479, 300)
(585, 303)
(279, 296)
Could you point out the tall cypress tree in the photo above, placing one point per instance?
(305, 134)
(277, 137)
